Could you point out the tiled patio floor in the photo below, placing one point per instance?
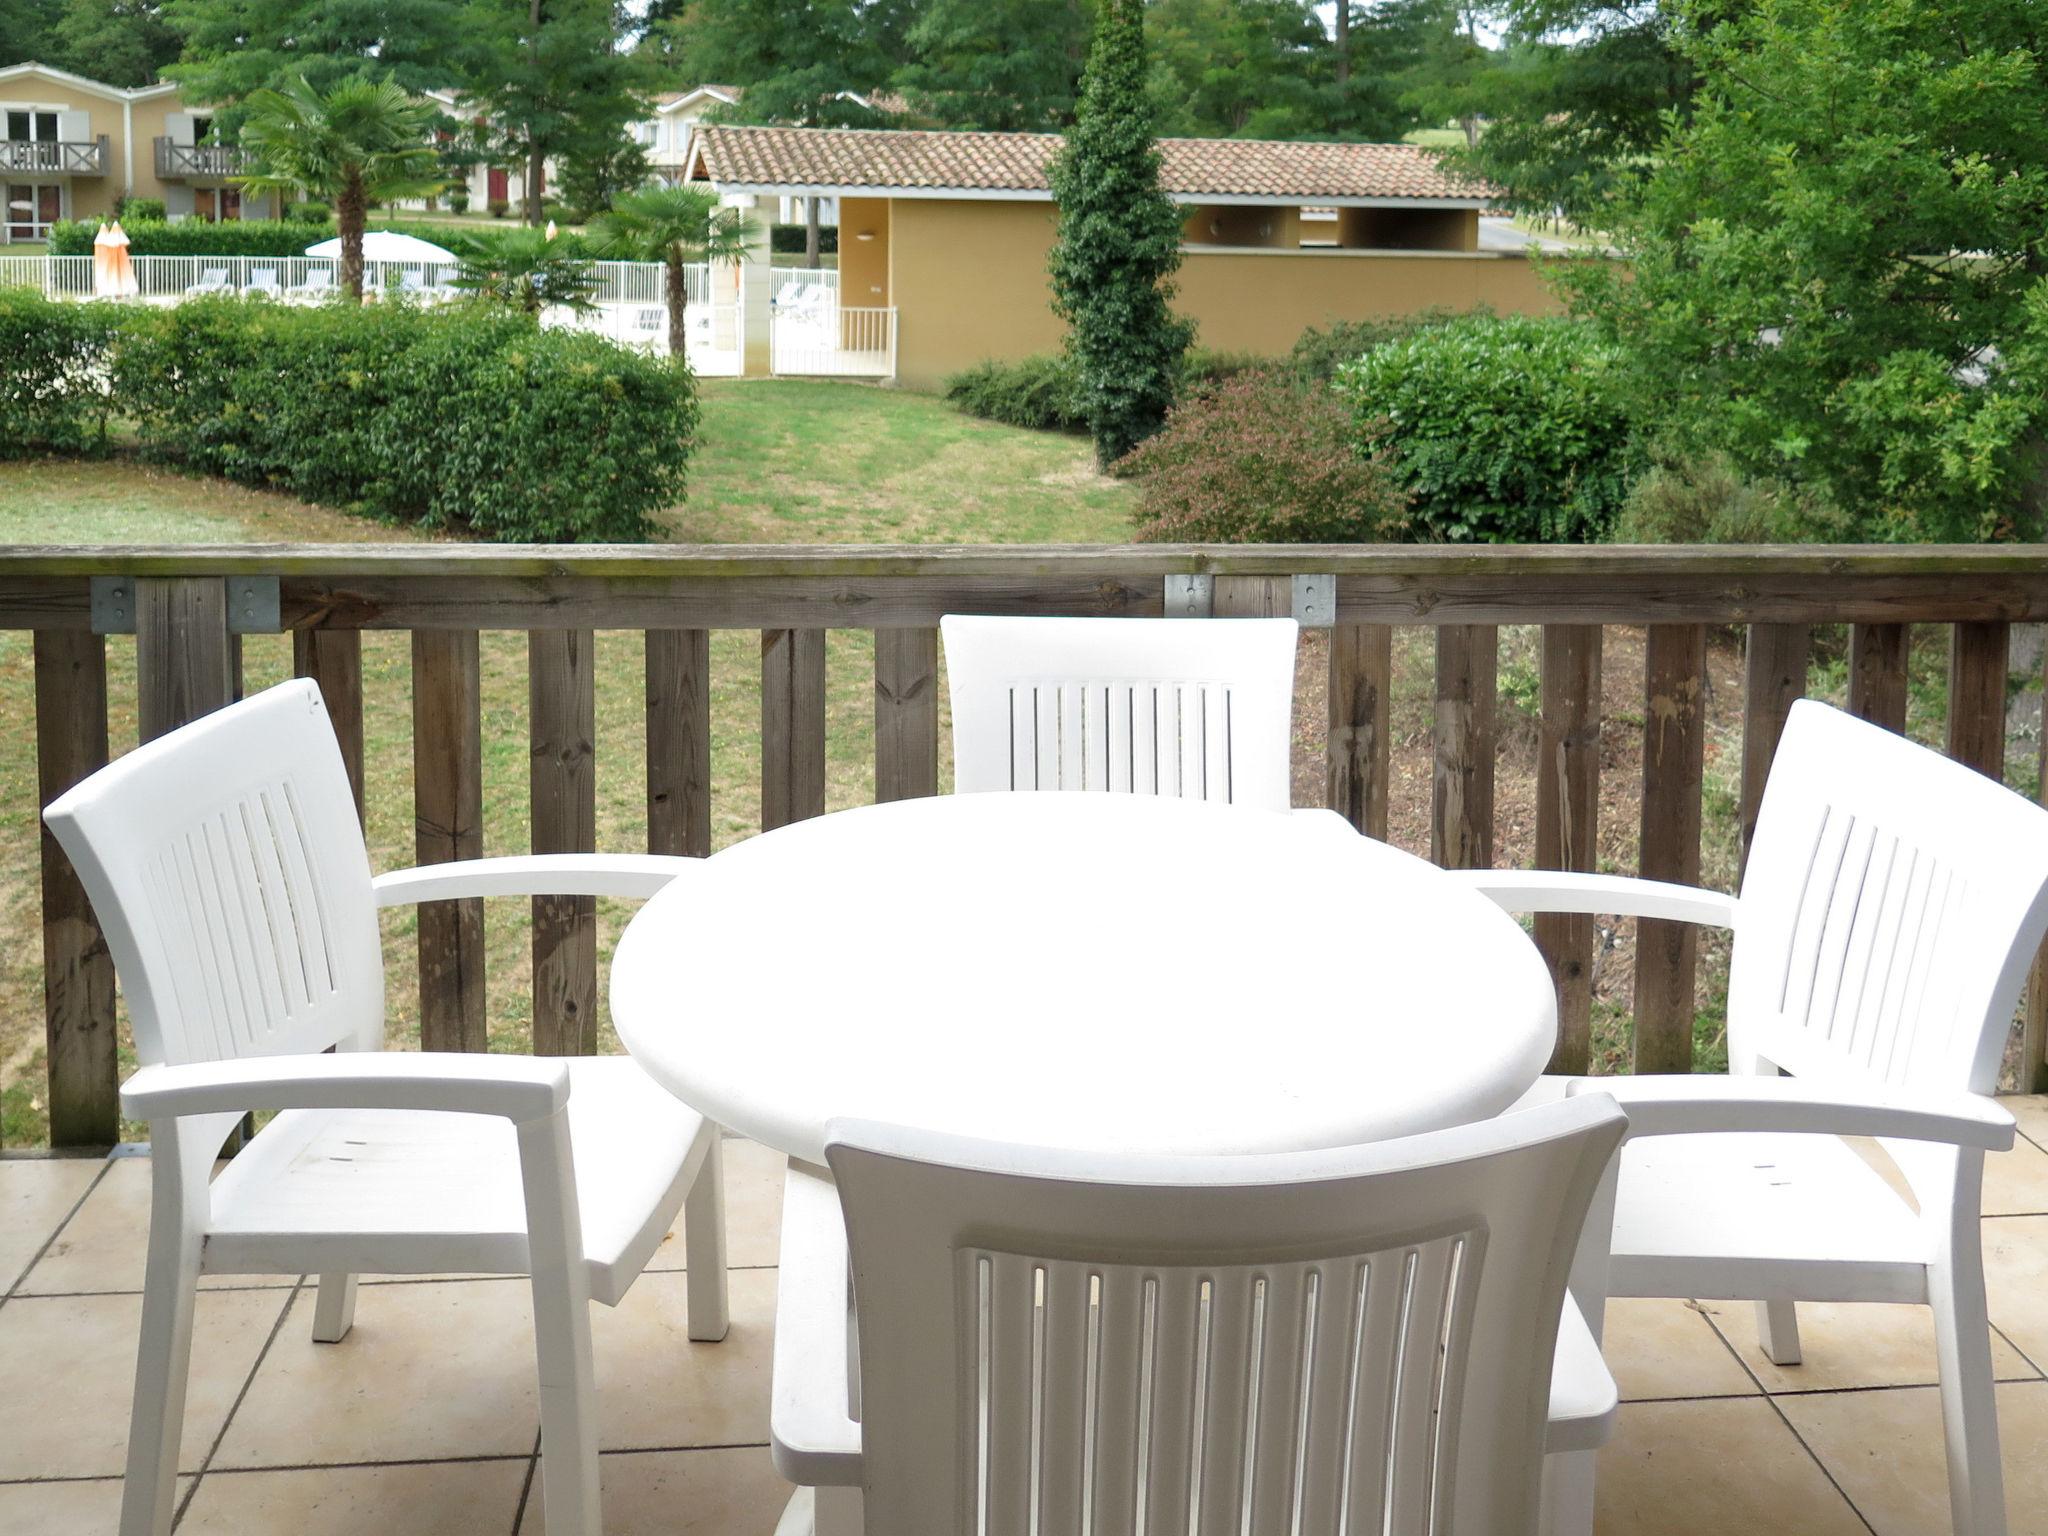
(424, 1420)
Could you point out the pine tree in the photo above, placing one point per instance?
(1118, 244)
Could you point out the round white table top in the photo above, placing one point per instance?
(1094, 972)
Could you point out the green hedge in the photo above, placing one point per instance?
(1042, 392)
(237, 237)
(456, 416)
(1504, 429)
(54, 361)
(788, 239)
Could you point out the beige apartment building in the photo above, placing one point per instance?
(70, 148)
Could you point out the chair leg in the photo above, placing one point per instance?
(1969, 1405)
(568, 1414)
(1777, 1330)
(163, 1362)
(334, 1309)
(704, 1246)
(1567, 1507)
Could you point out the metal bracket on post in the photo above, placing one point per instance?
(1315, 601)
(254, 605)
(1190, 597)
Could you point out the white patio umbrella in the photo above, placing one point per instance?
(113, 273)
(386, 245)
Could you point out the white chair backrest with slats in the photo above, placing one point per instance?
(1892, 903)
(1357, 1339)
(1198, 709)
(227, 865)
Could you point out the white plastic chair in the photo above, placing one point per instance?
(211, 280)
(1891, 906)
(227, 868)
(262, 283)
(317, 284)
(1351, 1339)
(1195, 708)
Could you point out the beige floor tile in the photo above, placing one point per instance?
(1713, 1468)
(475, 1498)
(2016, 1280)
(753, 1209)
(64, 1509)
(683, 1493)
(105, 1247)
(1861, 1345)
(1885, 1448)
(36, 1194)
(429, 1370)
(1668, 1349)
(657, 1389)
(2031, 1110)
(2016, 1182)
(70, 1365)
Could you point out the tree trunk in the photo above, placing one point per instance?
(678, 308)
(536, 160)
(1343, 29)
(811, 236)
(348, 213)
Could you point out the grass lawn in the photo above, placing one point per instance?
(781, 462)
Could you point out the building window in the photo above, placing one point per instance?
(216, 205)
(34, 126)
(32, 209)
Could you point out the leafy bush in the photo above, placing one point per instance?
(1321, 350)
(1257, 459)
(194, 237)
(53, 374)
(458, 199)
(1043, 392)
(788, 239)
(499, 207)
(1705, 499)
(139, 208)
(1204, 365)
(308, 212)
(1503, 430)
(449, 417)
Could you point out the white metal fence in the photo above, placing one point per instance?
(810, 332)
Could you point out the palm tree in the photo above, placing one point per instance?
(365, 140)
(525, 269)
(674, 225)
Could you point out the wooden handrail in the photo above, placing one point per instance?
(791, 596)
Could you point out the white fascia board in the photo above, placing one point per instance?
(1028, 195)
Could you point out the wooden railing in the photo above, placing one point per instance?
(175, 161)
(185, 606)
(54, 157)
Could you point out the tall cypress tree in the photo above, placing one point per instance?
(1119, 243)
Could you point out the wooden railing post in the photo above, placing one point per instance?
(1877, 674)
(562, 699)
(679, 741)
(184, 656)
(448, 824)
(1461, 821)
(333, 658)
(792, 726)
(1568, 825)
(78, 973)
(1358, 746)
(1674, 761)
(2033, 1068)
(1976, 696)
(1773, 678)
(906, 713)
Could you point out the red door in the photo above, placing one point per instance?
(498, 189)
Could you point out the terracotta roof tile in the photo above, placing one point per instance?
(1016, 162)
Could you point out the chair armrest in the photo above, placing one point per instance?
(1554, 890)
(637, 875)
(815, 1438)
(1682, 1105)
(519, 1088)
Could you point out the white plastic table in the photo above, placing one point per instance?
(1095, 972)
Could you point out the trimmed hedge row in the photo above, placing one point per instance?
(452, 417)
(236, 237)
(788, 239)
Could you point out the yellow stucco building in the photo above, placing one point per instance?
(951, 232)
(73, 147)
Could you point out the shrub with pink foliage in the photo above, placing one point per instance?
(1258, 459)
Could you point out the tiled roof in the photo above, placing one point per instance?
(1017, 162)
